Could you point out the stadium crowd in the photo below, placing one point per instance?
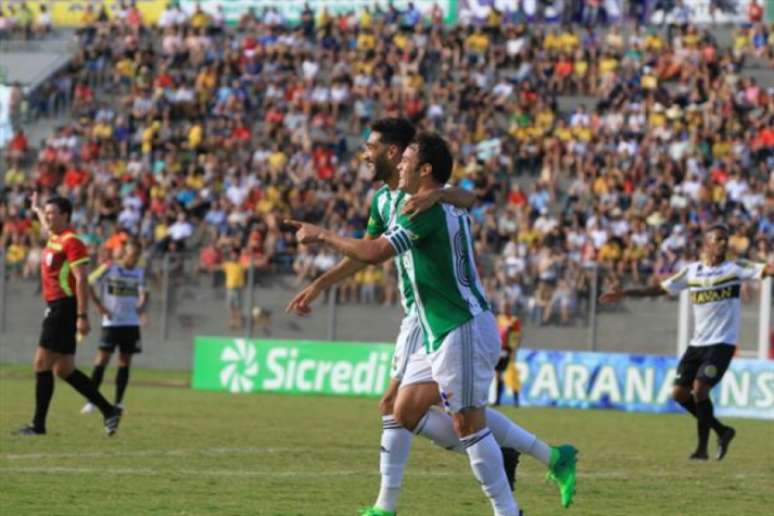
(201, 138)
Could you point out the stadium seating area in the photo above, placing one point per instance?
(198, 137)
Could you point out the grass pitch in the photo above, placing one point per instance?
(187, 453)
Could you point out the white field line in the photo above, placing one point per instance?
(246, 473)
(156, 453)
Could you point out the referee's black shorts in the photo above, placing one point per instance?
(60, 326)
(705, 363)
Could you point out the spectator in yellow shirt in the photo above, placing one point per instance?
(477, 43)
(234, 272)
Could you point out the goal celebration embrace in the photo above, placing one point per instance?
(379, 258)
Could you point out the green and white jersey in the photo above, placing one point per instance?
(437, 246)
(384, 206)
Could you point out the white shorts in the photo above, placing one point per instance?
(464, 364)
(418, 369)
(410, 340)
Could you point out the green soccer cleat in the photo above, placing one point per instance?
(373, 511)
(562, 471)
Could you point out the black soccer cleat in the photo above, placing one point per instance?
(112, 422)
(724, 441)
(510, 463)
(699, 455)
(29, 430)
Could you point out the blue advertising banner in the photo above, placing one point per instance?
(641, 383)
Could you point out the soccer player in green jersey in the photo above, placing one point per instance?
(384, 148)
(462, 343)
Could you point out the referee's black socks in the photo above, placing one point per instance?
(44, 391)
(82, 384)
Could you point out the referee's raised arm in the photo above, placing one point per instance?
(40, 213)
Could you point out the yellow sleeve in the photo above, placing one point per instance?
(97, 274)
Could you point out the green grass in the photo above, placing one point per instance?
(186, 452)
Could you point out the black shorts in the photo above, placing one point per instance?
(503, 361)
(705, 363)
(60, 326)
(127, 338)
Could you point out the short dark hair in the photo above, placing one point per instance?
(718, 227)
(63, 205)
(395, 131)
(133, 242)
(434, 151)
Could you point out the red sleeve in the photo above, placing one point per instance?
(76, 251)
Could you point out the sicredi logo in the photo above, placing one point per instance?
(240, 366)
(288, 370)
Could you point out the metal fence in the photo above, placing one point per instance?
(186, 302)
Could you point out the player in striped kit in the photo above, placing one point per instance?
(461, 339)
(714, 284)
(118, 291)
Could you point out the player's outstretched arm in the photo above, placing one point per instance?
(616, 295)
(362, 250)
(300, 304)
(423, 201)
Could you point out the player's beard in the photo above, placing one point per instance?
(383, 169)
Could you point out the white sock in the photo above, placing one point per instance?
(486, 460)
(396, 444)
(438, 427)
(510, 435)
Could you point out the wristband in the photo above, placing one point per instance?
(83, 316)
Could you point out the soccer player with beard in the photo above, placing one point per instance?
(459, 338)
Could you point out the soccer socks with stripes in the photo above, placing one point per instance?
(122, 380)
(486, 461)
(44, 391)
(439, 428)
(395, 447)
(81, 383)
(510, 435)
(97, 374)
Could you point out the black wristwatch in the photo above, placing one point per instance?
(83, 316)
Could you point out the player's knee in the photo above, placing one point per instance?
(63, 370)
(680, 394)
(405, 417)
(39, 364)
(700, 391)
(124, 360)
(386, 406)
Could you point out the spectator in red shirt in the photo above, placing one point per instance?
(754, 12)
(17, 147)
(75, 179)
